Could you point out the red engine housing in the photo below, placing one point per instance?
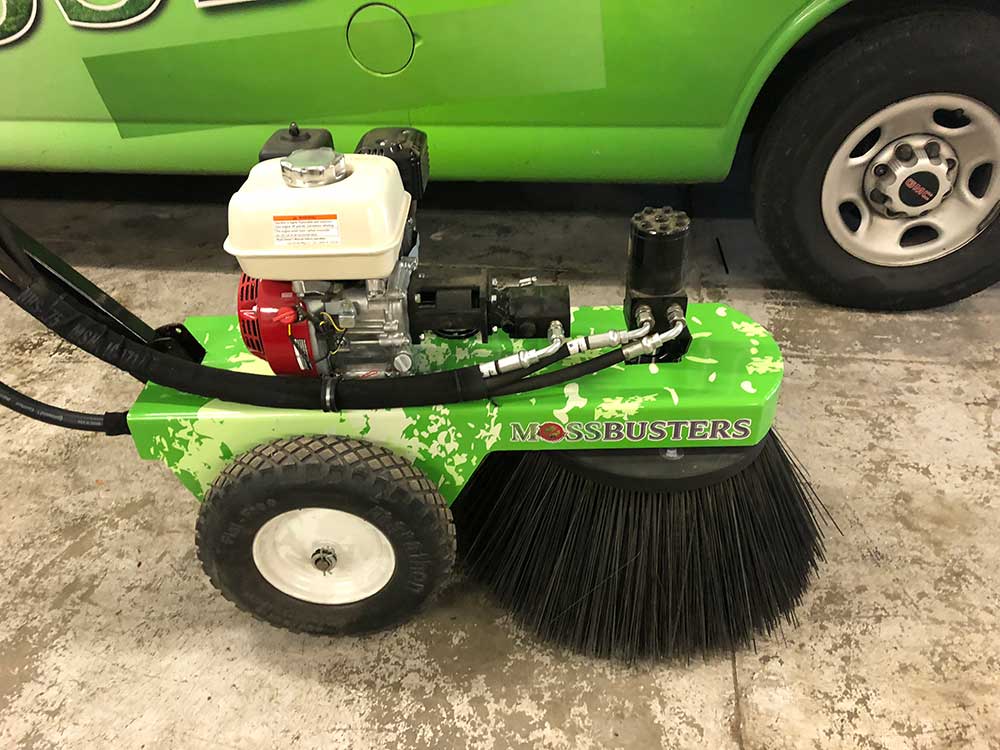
(268, 312)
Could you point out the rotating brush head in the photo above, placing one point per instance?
(586, 559)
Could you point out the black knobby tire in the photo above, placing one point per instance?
(343, 474)
(930, 52)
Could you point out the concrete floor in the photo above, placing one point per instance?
(110, 635)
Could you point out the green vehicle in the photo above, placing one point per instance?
(874, 124)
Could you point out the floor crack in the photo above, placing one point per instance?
(737, 725)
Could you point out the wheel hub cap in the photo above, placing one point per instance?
(911, 177)
(324, 556)
(916, 181)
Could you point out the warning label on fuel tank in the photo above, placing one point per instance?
(310, 229)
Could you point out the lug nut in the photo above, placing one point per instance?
(904, 152)
(881, 170)
(879, 197)
(324, 559)
(933, 149)
(952, 164)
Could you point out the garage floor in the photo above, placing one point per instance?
(111, 636)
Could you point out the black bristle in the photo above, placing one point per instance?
(630, 574)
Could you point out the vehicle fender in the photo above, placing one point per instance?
(784, 39)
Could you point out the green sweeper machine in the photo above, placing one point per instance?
(364, 421)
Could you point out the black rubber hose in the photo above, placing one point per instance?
(8, 241)
(449, 386)
(12, 271)
(111, 423)
(507, 378)
(579, 370)
(8, 287)
(58, 313)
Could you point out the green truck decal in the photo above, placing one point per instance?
(17, 17)
(111, 15)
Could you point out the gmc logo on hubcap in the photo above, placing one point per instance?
(919, 190)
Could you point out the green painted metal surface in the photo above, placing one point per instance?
(727, 385)
(507, 89)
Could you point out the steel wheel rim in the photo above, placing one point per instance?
(292, 549)
(857, 224)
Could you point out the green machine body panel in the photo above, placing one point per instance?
(506, 89)
(723, 393)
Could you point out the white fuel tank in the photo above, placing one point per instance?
(319, 215)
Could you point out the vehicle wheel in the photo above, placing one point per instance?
(877, 182)
(325, 535)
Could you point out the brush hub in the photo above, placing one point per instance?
(655, 469)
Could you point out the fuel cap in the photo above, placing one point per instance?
(380, 39)
(313, 167)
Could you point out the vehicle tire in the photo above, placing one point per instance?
(325, 535)
(845, 209)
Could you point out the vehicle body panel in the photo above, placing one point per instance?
(506, 89)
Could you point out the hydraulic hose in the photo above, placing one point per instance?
(8, 287)
(566, 374)
(62, 313)
(14, 262)
(512, 377)
(12, 271)
(58, 313)
(111, 423)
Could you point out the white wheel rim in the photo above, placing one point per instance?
(950, 225)
(285, 552)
